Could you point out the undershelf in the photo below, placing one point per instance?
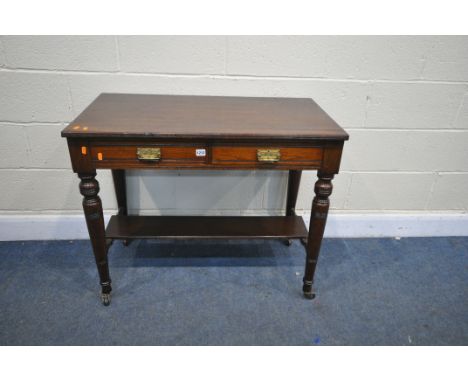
(195, 227)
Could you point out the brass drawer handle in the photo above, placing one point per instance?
(268, 155)
(149, 153)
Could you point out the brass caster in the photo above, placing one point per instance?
(309, 295)
(307, 290)
(106, 299)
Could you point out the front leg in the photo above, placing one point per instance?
(318, 219)
(92, 207)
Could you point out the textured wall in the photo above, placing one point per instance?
(404, 101)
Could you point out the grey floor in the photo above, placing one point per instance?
(411, 291)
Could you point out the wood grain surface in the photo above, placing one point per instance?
(170, 116)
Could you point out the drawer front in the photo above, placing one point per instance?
(149, 156)
(140, 155)
(267, 156)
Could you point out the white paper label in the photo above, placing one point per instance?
(200, 152)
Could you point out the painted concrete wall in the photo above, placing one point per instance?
(403, 100)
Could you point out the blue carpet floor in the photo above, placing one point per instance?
(412, 291)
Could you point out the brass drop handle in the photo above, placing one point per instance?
(268, 155)
(149, 153)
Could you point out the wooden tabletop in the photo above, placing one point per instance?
(189, 117)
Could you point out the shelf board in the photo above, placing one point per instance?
(198, 227)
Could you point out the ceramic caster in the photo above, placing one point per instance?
(106, 299)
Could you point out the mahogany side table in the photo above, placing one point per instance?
(134, 131)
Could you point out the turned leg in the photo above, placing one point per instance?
(294, 180)
(121, 193)
(318, 218)
(92, 207)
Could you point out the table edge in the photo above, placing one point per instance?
(81, 135)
